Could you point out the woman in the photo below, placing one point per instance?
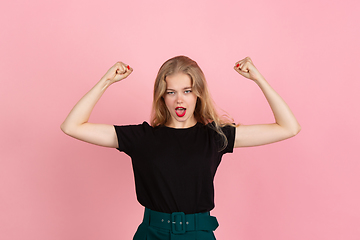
(175, 158)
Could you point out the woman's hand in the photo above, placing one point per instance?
(118, 72)
(247, 69)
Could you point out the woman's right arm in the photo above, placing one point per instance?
(76, 123)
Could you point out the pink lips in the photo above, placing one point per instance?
(180, 111)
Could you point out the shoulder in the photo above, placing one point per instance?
(226, 131)
(227, 127)
(133, 129)
(129, 136)
(141, 125)
(224, 135)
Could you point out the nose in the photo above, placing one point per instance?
(179, 99)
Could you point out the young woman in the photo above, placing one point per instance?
(176, 156)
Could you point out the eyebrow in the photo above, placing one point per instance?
(182, 89)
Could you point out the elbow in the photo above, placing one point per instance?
(291, 130)
(65, 128)
(295, 130)
(70, 129)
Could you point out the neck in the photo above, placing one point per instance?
(186, 124)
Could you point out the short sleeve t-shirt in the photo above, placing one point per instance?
(174, 168)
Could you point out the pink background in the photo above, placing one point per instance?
(52, 52)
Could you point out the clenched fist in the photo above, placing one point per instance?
(247, 69)
(118, 72)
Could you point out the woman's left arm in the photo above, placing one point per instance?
(285, 125)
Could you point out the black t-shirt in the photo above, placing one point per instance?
(174, 168)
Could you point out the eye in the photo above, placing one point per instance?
(169, 93)
(188, 91)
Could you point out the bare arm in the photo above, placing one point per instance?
(285, 125)
(76, 124)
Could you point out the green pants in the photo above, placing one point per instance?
(176, 226)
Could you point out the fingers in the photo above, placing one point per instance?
(247, 69)
(128, 71)
(121, 68)
(244, 67)
(118, 72)
(244, 64)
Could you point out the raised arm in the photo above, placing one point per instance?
(76, 124)
(285, 125)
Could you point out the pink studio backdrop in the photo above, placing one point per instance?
(52, 52)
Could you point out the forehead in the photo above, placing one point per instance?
(178, 81)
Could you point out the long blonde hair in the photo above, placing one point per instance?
(205, 111)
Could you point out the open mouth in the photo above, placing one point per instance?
(180, 111)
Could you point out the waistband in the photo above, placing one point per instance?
(179, 222)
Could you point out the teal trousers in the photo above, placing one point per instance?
(176, 226)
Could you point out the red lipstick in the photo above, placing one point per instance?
(180, 111)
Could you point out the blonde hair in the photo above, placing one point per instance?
(205, 111)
